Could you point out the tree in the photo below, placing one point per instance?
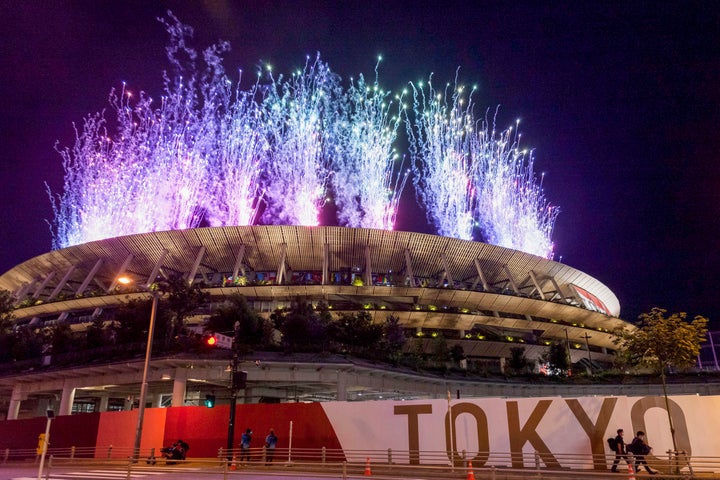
(6, 311)
(95, 333)
(6, 322)
(60, 337)
(356, 332)
(132, 320)
(303, 328)
(393, 339)
(182, 299)
(557, 358)
(440, 349)
(518, 362)
(236, 309)
(662, 343)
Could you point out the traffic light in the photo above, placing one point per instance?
(209, 400)
(239, 380)
(210, 340)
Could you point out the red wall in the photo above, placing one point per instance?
(67, 431)
(205, 429)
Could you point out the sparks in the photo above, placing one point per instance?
(368, 176)
(440, 151)
(211, 153)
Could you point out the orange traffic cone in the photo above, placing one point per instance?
(471, 474)
(631, 472)
(368, 473)
(233, 464)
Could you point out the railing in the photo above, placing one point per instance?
(385, 463)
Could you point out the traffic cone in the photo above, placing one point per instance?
(631, 472)
(368, 473)
(471, 474)
(233, 464)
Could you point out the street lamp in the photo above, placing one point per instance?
(144, 386)
(452, 437)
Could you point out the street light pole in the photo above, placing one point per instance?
(452, 437)
(144, 387)
(46, 442)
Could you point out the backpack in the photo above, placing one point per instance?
(636, 447)
(612, 442)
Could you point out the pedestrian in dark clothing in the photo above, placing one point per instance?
(245, 445)
(620, 451)
(270, 443)
(639, 449)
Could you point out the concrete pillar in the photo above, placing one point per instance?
(248, 395)
(103, 406)
(127, 404)
(342, 386)
(43, 406)
(15, 399)
(67, 399)
(179, 384)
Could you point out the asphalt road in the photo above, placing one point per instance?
(14, 472)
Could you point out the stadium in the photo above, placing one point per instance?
(485, 298)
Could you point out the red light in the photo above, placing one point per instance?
(211, 341)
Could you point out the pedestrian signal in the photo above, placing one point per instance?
(41, 444)
(209, 400)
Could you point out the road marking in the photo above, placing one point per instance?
(114, 474)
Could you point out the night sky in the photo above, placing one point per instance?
(620, 100)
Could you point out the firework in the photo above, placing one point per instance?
(368, 177)
(212, 153)
(512, 210)
(296, 110)
(440, 149)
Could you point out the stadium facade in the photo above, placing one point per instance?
(486, 298)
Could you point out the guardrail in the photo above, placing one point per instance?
(385, 463)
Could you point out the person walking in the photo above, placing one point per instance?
(245, 441)
(270, 443)
(639, 449)
(620, 451)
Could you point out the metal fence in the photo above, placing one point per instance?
(379, 463)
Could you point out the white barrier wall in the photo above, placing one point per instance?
(552, 427)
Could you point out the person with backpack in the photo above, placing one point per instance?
(270, 444)
(617, 445)
(639, 449)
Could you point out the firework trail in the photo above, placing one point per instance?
(165, 168)
(367, 178)
(213, 152)
(442, 165)
(236, 167)
(297, 172)
(512, 210)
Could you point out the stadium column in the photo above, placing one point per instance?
(179, 383)
(15, 399)
(68, 398)
(104, 400)
(342, 386)
(248, 395)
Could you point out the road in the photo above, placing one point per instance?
(9, 472)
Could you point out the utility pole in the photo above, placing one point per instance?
(587, 346)
(233, 392)
(567, 348)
